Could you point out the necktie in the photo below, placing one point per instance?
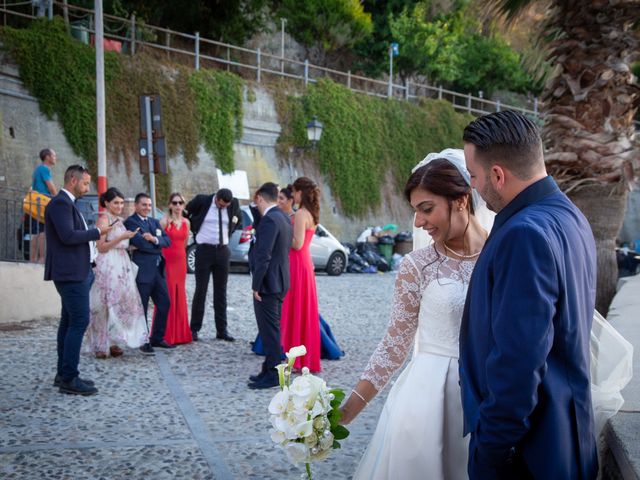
(221, 242)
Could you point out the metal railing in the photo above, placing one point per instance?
(16, 228)
(251, 64)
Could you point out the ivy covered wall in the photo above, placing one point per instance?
(367, 142)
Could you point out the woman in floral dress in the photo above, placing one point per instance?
(117, 319)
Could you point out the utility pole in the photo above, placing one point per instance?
(100, 109)
(393, 51)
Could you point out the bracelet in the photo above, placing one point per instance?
(360, 397)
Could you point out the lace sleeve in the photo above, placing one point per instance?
(398, 340)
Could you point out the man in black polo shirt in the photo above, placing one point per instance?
(213, 219)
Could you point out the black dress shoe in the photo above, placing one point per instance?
(226, 337)
(267, 381)
(77, 387)
(58, 381)
(162, 344)
(255, 378)
(147, 349)
(194, 336)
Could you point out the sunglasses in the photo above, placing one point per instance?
(177, 202)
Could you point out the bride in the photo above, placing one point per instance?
(419, 433)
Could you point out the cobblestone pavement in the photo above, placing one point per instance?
(186, 413)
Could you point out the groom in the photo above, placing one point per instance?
(524, 339)
(269, 264)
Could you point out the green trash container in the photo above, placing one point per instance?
(386, 250)
(80, 32)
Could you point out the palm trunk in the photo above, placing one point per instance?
(604, 207)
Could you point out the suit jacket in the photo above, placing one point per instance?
(68, 252)
(197, 208)
(270, 255)
(147, 256)
(524, 340)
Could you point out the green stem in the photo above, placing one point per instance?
(308, 466)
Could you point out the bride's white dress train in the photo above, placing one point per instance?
(419, 434)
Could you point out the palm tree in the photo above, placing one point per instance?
(588, 108)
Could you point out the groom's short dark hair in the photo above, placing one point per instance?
(508, 138)
(268, 191)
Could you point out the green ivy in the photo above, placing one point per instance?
(202, 106)
(219, 106)
(367, 140)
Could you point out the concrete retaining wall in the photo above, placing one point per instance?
(24, 295)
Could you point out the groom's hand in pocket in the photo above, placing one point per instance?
(257, 296)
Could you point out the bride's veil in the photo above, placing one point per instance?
(611, 354)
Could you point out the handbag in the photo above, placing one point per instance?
(34, 204)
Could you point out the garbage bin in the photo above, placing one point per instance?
(385, 246)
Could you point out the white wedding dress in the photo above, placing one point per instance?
(419, 434)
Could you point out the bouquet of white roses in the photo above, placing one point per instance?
(305, 415)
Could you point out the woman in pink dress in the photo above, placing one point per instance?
(299, 323)
(177, 228)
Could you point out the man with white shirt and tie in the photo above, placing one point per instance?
(151, 279)
(70, 255)
(213, 219)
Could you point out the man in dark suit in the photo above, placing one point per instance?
(213, 219)
(270, 279)
(69, 259)
(151, 281)
(524, 339)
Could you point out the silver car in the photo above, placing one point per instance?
(327, 253)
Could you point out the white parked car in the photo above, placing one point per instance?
(327, 253)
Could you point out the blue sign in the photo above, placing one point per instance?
(395, 50)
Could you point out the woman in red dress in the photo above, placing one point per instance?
(299, 324)
(177, 229)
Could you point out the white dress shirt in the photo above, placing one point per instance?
(209, 231)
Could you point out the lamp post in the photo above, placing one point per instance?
(314, 132)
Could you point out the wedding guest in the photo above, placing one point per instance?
(177, 228)
(270, 280)
(42, 183)
(213, 218)
(300, 319)
(117, 318)
(150, 280)
(526, 385)
(68, 263)
(285, 200)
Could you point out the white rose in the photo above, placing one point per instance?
(319, 423)
(321, 455)
(300, 387)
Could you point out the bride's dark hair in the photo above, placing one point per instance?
(441, 178)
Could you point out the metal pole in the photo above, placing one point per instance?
(535, 105)
(100, 109)
(498, 105)
(152, 177)
(406, 89)
(439, 92)
(65, 12)
(469, 102)
(349, 79)
(306, 72)
(197, 50)
(258, 59)
(133, 34)
(50, 8)
(390, 90)
(282, 22)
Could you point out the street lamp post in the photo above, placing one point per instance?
(314, 132)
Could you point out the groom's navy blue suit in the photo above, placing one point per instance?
(524, 343)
